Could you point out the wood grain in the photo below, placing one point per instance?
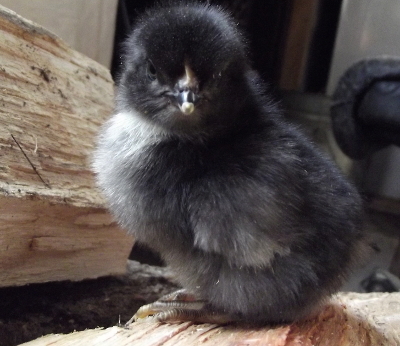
(42, 241)
(348, 320)
(53, 222)
(52, 101)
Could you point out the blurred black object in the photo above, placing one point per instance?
(381, 281)
(366, 107)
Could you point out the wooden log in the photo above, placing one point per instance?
(348, 320)
(53, 225)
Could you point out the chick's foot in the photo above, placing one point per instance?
(180, 306)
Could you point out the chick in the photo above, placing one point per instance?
(199, 164)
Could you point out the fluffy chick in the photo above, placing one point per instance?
(199, 164)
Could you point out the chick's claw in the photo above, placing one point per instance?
(168, 306)
(179, 312)
(179, 306)
(178, 299)
(165, 306)
(203, 315)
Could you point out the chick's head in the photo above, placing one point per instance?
(185, 69)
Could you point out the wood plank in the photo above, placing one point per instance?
(349, 319)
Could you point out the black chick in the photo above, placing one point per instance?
(199, 164)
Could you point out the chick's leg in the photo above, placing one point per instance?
(180, 306)
(180, 295)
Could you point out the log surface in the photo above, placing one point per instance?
(348, 320)
(53, 224)
(42, 241)
(52, 102)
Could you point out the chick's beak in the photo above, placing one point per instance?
(186, 100)
(187, 88)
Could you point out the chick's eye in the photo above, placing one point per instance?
(151, 71)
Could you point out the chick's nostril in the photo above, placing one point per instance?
(187, 96)
(191, 97)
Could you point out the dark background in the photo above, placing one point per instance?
(266, 25)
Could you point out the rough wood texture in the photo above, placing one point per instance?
(350, 320)
(52, 101)
(42, 241)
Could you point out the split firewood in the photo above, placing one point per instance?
(53, 222)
